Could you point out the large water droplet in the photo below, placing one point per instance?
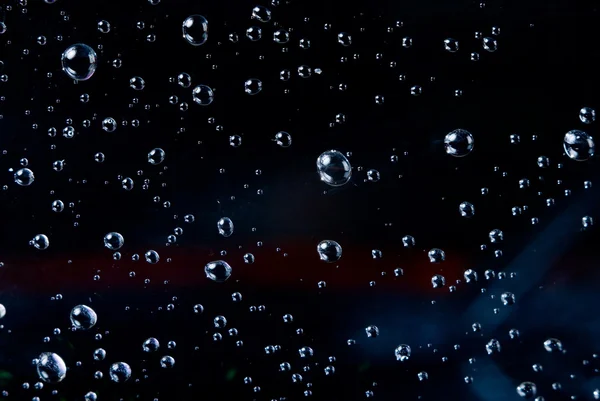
(79, 62)
(24, 177)
(225, 226)
(459, 143)
(195, 30)
(113, 241)
(83, 317)
(51, 368)
(218, 271)
(329, 251)
(119, 372)
(203, 95)
(579, 145)
(334, 168)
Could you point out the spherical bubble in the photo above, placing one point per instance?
(203, 95)
(90, 396)
(2, 27)
(470, 275)
(248, 258)
(79, 62)
(51, 368)
(466, 209)
(220, 322)
(508, 298)
(587, 115)
(306, 352)
(83, 317)
(436, 255)
(2, 311)
(167, 362)
(253, 86)
(579, 145)
(195, 30)
(113, 241)
(137, 83)
(527, 390)
(373, 175)
(218, 271)
(459, 143)
(254, 33)
(152, 257)
(261, 14)
(402, 352)
(103, 26)
(372, 331)
(438, 281)
(156, 156)
(344, 39)
(119, 372)
(99, 354)
(281, 36)
(24, 177)
(496, 236)
(285, 75)
(553, 345)
(184, 80)
(305, 71)
(490, 44)
(543, 162)
(493, 346)
(408, 241)
(329, 251)
(451, 45)
(334, 168)
(127, 184)
(225, 226)
(109, 124)
(283, 139)
(40, 242)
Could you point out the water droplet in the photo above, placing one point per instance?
(436, 255)
(79, 62)
(137, 83)
(83, 317)
(493, 346)
(466, 209)
(553, 345)
(587, 115)
(195, 30)
(167, 362)
(459, 143)
(334, 168)
(41, 242)
(51, 368)
(119, 372)
(261, 14)
(113, 241)
(451, 45)
(203, 95)
(24, 177)
(225, 226)
(579, 145)
(151, 345)
(218, 271)
(283, 139)
(329, 251)
(253, 86)
(344, 39)
(527, 390)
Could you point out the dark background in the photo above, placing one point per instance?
(544, 71)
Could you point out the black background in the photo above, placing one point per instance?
(544, 71)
